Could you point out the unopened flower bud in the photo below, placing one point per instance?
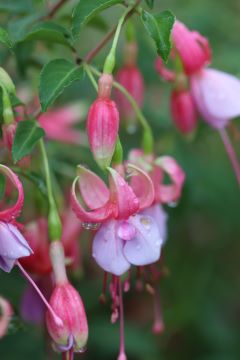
(103, 123)
(67, 304)
(183, 111)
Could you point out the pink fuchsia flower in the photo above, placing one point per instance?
(118, 202)
(6, 313)
(157, 213)
(192, 47)
(8, 131)
(216, 95)
(103, 123)
(58, 125)
(12, 244)
(119, 244)
(67, 304)
(183, 110)
(156, 167)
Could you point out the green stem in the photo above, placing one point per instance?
(54, 222)
(90, 75)
(147, 136)
(110, 59)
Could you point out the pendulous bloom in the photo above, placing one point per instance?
(192, 47)
(12, 244)
(103, 123)
(216, 95)
(67, 304)
(183, 111)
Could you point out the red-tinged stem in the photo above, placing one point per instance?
(68, 355)
(231, 153)
(122, 354)
(54, 9)
(158, 325)
(30, 280)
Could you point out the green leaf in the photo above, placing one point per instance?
(150, 3)
(16, 6)
(4, 38)
(86, 10)
(2, 185)
(54, 77)
(159, 27)
(27, 135)
(50, 32)
(35, 178)
(19, 28)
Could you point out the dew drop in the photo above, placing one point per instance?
(90, 226)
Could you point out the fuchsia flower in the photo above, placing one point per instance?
(192, 47)
(12, 244)
(216, 95)
(103, 123)
(126, 236)
(58, 125)
(67, 304)
(183, 111)
(163, 71)
(6, 313)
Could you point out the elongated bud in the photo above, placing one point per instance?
(103, 123)
(9, 131)
(67, 304)
(6, 82)
(183, 111)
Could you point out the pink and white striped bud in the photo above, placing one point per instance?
(183, 111)
(103, 123)
(68, 306)
(9, 131)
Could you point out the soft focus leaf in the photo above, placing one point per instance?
(159, 27)
(19, 28)
(27, 135)
(2, 185)
(4, 38)
(50, 32)
(86, 10)
(14, 6)
(54, 77)
(150, 3)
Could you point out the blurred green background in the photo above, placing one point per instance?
(201, 295)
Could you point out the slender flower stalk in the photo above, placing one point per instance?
(56, 318)
(231, 153)
(122, 354)
(54, 222)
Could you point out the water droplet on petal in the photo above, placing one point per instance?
(90, 226)
(146, 222)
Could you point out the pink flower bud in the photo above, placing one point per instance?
(193, 48)
(183, 111)
(9, 131)
(103, 123)
(130, 77)
(67, 304)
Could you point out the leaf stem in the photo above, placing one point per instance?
(90, 76)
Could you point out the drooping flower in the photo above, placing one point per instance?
(216, 95)
(12, 244)
(67, 304)
(192, 47)
(6, 313)
(103, 123)
(163, 71)
(183, 111)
